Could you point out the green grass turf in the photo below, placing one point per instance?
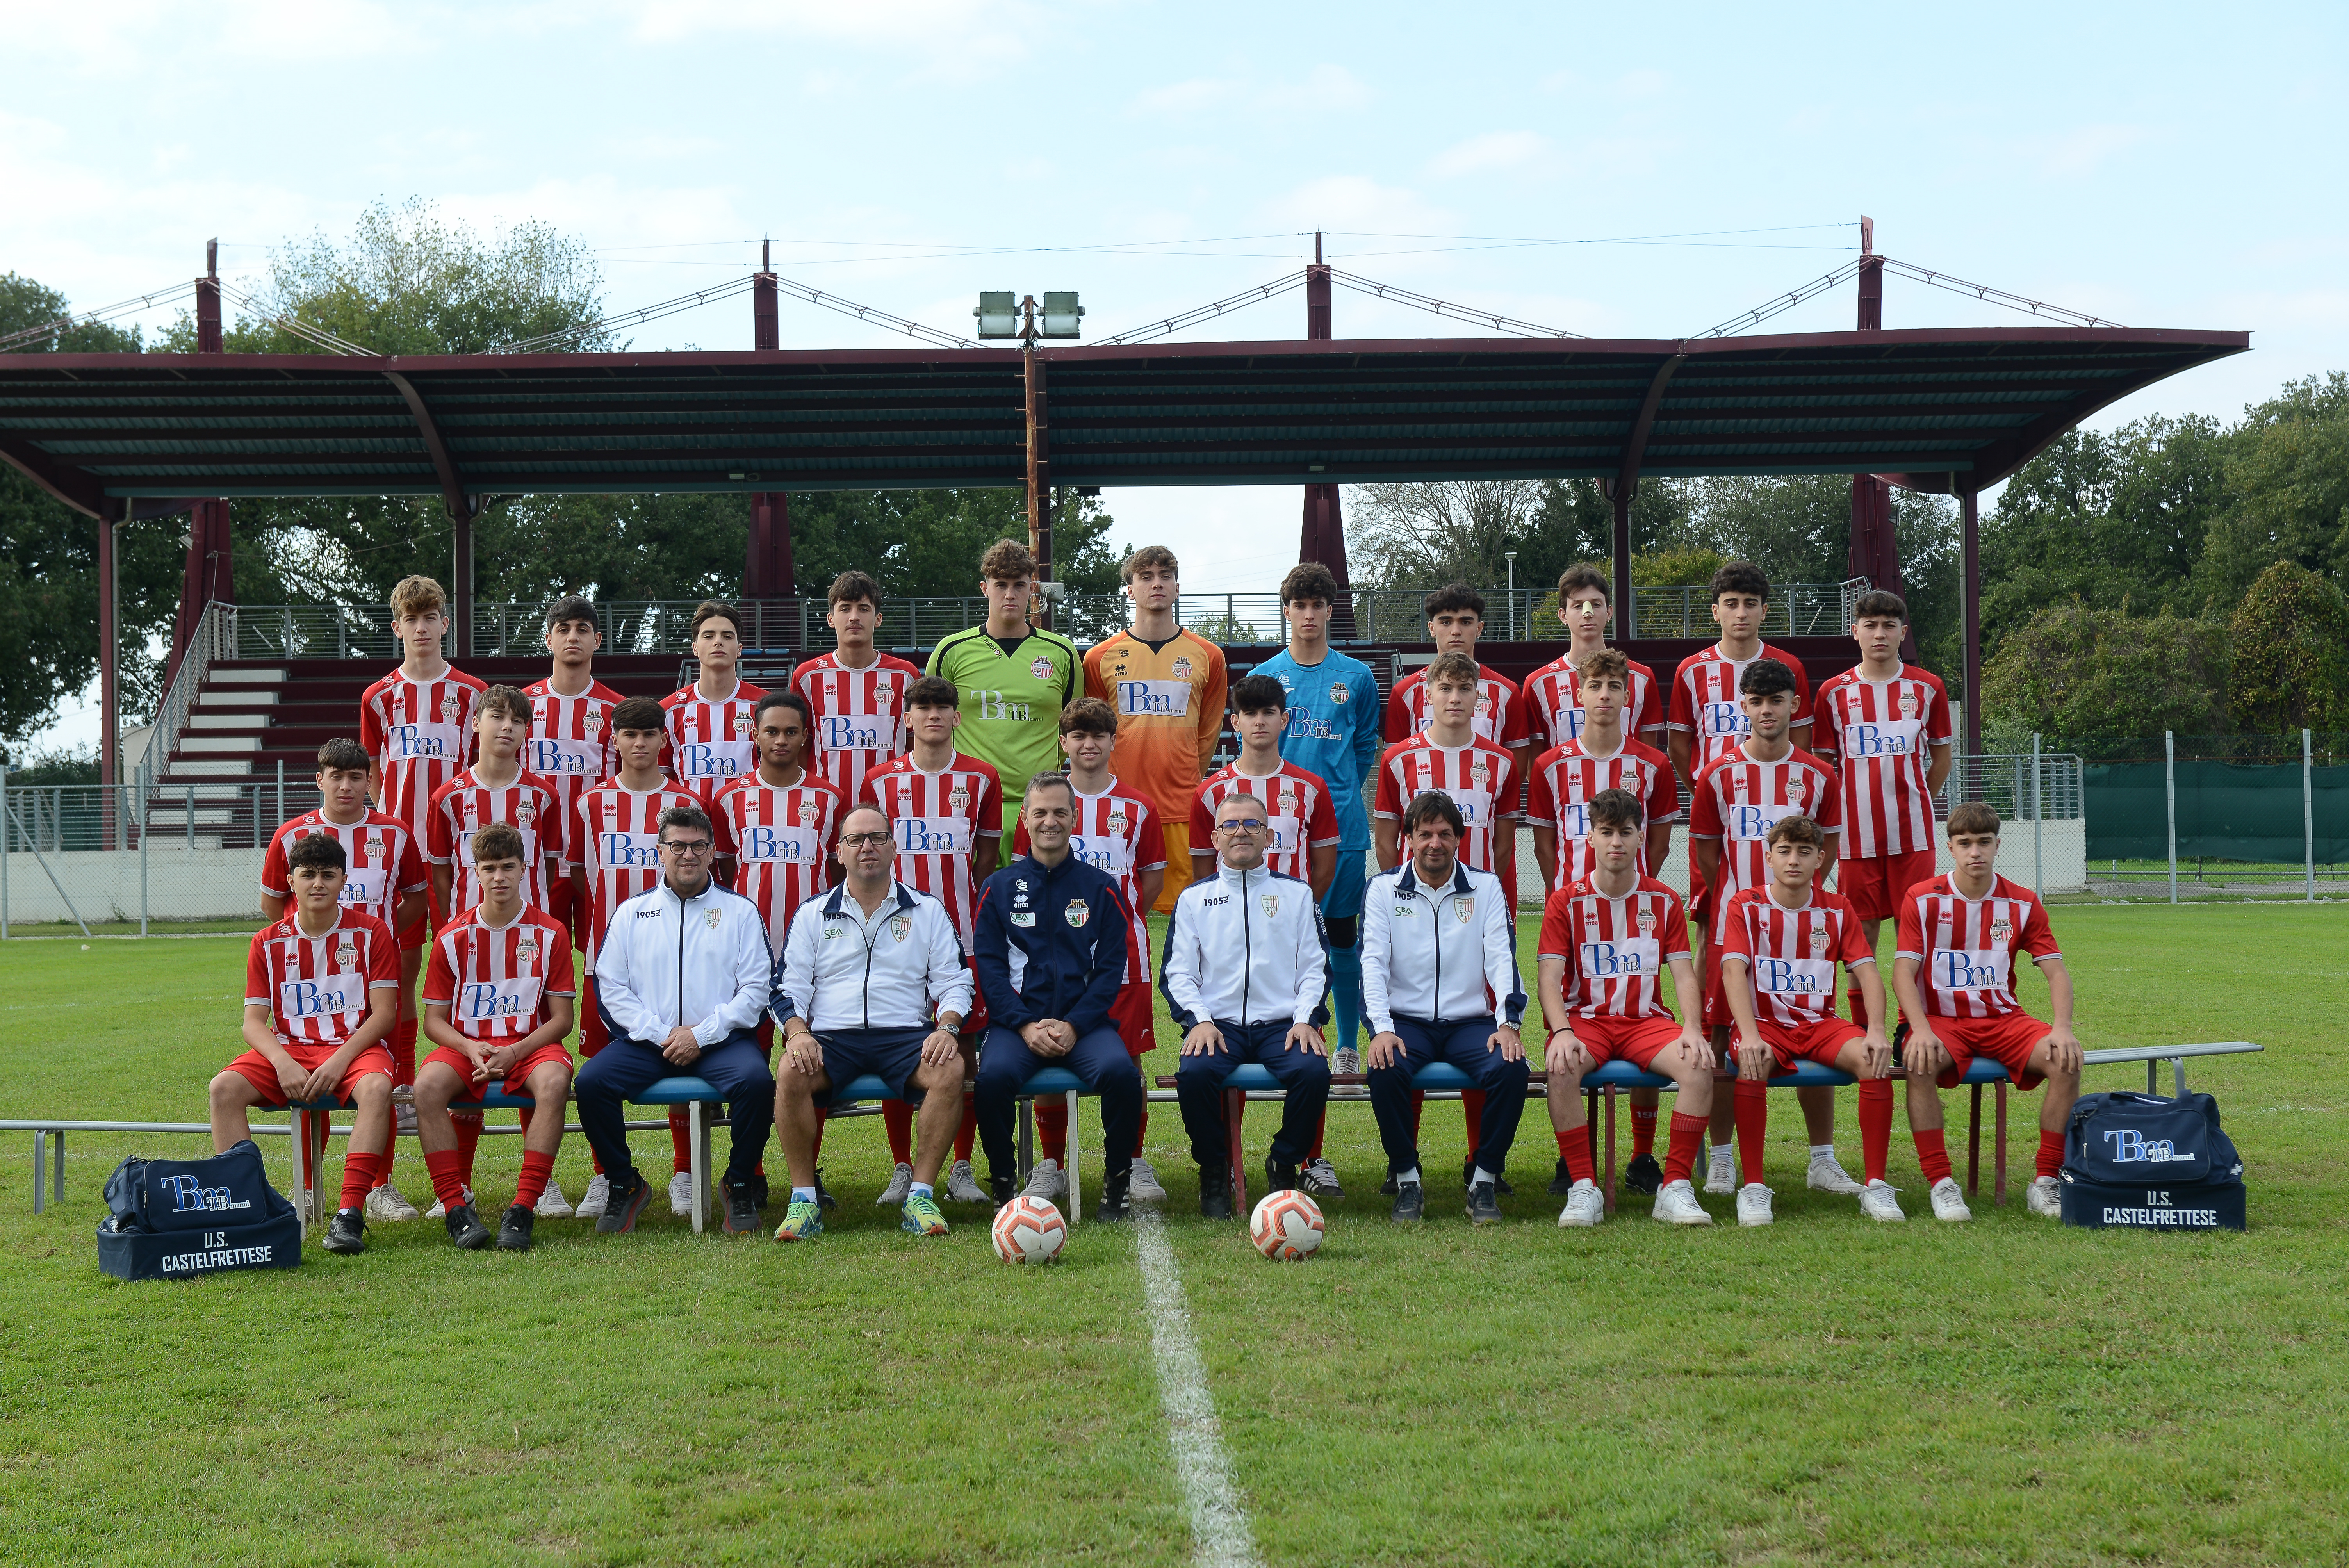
(1823, 1391)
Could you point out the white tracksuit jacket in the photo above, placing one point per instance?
(1445, 954)
(1245, 947)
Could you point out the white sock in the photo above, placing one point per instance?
(1407, 1178)
(1822, 1150)
(1482, 1175)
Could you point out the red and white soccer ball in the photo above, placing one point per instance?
(1030, 1231)
(1285, 1226)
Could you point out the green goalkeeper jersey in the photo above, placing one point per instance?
(1012, 695)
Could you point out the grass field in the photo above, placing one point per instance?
(1823, 1391)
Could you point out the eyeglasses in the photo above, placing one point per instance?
(1241, 825)
(687, 849)
(858, 841)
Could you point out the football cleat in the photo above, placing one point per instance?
(552, 1203)
(1585, 1205)
(680, 1194)
(1278, 1177)
(1484, 1205)
(1754, 1204)
(2044, 1198)
(1826, 1176)
(1676, 1204)
(1320, 1179)
(599, 1194)
(513, 1231)
(803, 1222)
(1411, 1203)
(1214, 1194)
(465, 1228)
(1347, 1061)
(922, 1217)
(900, 1188)
(1949, 1201)
(345, 1232)
(385, 1206)
(1643, 1176)
(962, 1186)
(1877, 1201)
(1144, 1186)
(1115, 1191)
(1721, 1172)
(1046, 1180)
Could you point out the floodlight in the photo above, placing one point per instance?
(1061, 315)
(998, 312)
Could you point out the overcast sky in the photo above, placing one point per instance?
(2155, 165)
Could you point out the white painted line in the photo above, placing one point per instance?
(1219, 1526)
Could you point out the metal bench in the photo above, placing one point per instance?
(1045, 1080)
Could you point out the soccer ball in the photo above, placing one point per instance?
(1029, 1230)
(1285, 1226)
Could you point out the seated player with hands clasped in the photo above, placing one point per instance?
(1780, 945)
(1606, 938)
(498, 997)
(1244, 970)
(872, 980)
(1954, 973)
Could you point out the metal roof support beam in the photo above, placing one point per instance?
(1627, 484)
(72, 486)
(1970, 517)
(461, 511)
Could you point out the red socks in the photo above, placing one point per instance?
(1687, 1138)
(1932, 1155)
(897, 1117)
(1472, 1111)
(680, 1134)
(1875, 1126)
(966, 1135)
(1418, 1104)
(469, 1138)
(1643, 1129)
(1141, 1129)
(2051, 1153)
(1052, 1128)
(1321, 1130)
(823, 1121)
(448, 1169)
(359, 1174)
(1574, 1147)
(536, 1169)
(1752, 1112)
(403, 1052)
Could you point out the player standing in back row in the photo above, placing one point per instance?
(856, 692)
(570, 731)
(1166, 687)
(709, 722)
(1013, 678)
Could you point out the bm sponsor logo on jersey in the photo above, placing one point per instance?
(852, 732)
(550, 757)
(639, 851)
(1726, 718)
(1963, 969)
(793, 846)
(1161, 700)
(994, 705)
(1619, 960)
(702, 759)
(1879, 740)
(407, 742)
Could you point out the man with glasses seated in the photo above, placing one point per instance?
(681, 978)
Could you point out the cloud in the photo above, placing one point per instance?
(2085, 150)
(975, 32)
(1493, 150)
(1324, 89)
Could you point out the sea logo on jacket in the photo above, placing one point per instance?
(1078, 912)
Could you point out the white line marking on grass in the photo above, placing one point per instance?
(1219, 1525)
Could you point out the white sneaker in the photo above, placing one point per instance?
(1721, 1172)
(404, 1117)
(1320, 1179)
(1676, 1204)
(962, 1186)
(680, 1194)
(441, 1211)
(599, 1195)
(900, 1188)
(1826, 1176)
(2044, 1197)
(552, 1203)
(1949, 1201)
(1346, 1059)
(385, 1206)
(1585, 1206)
(1143, 1186)
(1877, 1201)
(1754, 1204)
(1049, 1182)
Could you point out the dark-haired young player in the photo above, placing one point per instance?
(1014, 679)
(570, 742)
(1607, 938)
(321, 991)
(1780, 944)
(1954, 972)
(708, 723)
(946, 809)
(615, 855)
(1333, 733)
(779, 825)
(1553, 693)
(497, 1007)
(856, 692)
(1115, 830)
(1736, 799)
(1455, 618)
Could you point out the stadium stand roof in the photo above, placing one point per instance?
(1937, 409)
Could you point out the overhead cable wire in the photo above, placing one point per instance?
(65, 324)
(732, 290)
(1783, 303)
(1447, 308)
(315, 336)
(1241, 301)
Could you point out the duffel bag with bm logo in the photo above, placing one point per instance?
(2140, 1162)
(174, 1219)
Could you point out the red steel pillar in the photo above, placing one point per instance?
(209, 573)
(109, 639)
(1970, 516)
(1874, 553)
(768, 570)
(1323, 537)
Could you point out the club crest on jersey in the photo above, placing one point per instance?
(807, 813)
(590, 722)
(1466, 908)
(1117, 819)
(1182, 669)
(449, 706)
(1270, 904)
(741, 725)
(959, 800)
(1908, 702)
(2001, 929)
(346, 950)
(526, 949)
(1481, 772)
(526, 814)
(1019, 883)
(899, 926)
(1818, 943)
(374, 842)
(1040, 667)
(710, 918)
(1340, 695)
(1647, 922)
(1078, 912)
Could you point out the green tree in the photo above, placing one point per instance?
(2289, 641)
(2288, 474)
(2074, 669)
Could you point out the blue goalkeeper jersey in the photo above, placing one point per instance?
(1333, 731)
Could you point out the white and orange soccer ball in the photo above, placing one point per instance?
(1030, 1231)
(1285, 1226)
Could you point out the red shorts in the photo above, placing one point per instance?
(1131, 1014)
(1873, 886)
(1821, 1042)
(975, 1021)
(1634, 1040)
(520, 1075)
(2008, 1041)
(262, 1074)
(1715, 1013)
(592, 1035)
(413, 936)
(1699, 898)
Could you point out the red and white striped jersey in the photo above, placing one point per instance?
(1616, 950)
(1881, 732)
(1791, 953)
(420, 734)
(495, 980)
(1965, 948)
(937, 817)
(780, 838)
(1297, 804)
(379, 854)
(316, 987)
(710, 743)
(570, 745)
(860, 714)
(464, 805)
(1554, 703)
(1481, 779)
(1565, 778)
(1738, 800)
(1117, 832)
(615, 838)
(1704, 701)
(1500, 709)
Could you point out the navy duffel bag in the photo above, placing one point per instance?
(2141, 1161)
(175, 1219)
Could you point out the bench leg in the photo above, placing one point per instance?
(1998, 1154)
(1076, 1195)
(1607, 1186)
(700, 1172)
(1027, 1141)
(40, 1152)
(57, 1176)
(1973, 1144)
(1234, 1101)
(298, 1127)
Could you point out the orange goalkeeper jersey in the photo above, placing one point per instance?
(1169, 707)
